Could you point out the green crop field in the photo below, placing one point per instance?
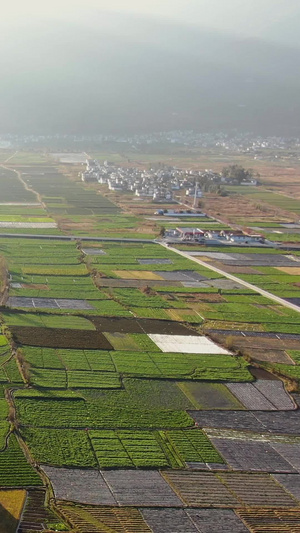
(60, 448)
(181, 366)
(194, 446)
(260, 194)
(61, 413)
(15, 471)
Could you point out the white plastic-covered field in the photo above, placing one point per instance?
(36, 225)
(186, 344)
(70, 157)
(20, 204)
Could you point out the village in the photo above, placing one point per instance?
(160, 184)
(212, 237)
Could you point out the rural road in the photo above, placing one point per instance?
(267, 294)
(74, 238)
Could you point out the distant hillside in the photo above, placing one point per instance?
(125, 74)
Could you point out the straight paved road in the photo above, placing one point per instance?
(267, 294)
(73, 238)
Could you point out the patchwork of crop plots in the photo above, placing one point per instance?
(12, 189)
(63, 196)
(112, 388)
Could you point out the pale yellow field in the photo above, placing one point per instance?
(204, 258)
(11, 506)
(137, 274)
(294, 271)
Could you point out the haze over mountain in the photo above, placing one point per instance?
(161, 66)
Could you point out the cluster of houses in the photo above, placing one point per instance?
(199, 235)
(159, 184)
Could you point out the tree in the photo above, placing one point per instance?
(238, 173)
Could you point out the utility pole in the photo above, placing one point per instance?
(195, 196)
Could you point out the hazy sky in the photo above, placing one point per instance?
(269, 19)
(140, 65)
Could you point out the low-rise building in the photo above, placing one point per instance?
(190, 234)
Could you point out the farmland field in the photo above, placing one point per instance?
(153, 392)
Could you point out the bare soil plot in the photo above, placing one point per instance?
(140, 488)
(226, 284)
(88, 519)
(48, 303)
(169, 521)
(263, 520)
(181, 275)
(141, 325)
(251, 456)
(271, 356)
(155, 261)
(186, 344)
(290, 452)
(296, 398)
(83, 486)
(267, 395)
(210, 395)
(295, 301)
(216, 520)
(262, 259)
(200, 489)
(116, 325)
(209, 297)
(270, 342)
(60, 338)
(250, 397)
(280, 422)
(239, 420)
(276, 393)
(194, 284)
(257, 490)
(291, 483)
(277, 422)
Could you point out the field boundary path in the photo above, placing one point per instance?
(26, 186)
(267, 294)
